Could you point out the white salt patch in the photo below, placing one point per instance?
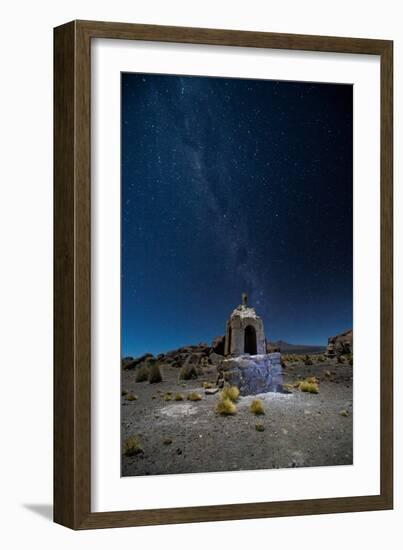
(269, 396)
(182, 409)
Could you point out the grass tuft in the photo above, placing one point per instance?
(142, 374)
(257, 407)
(231, 393)
(178, 397)
(310, 387)
(131, 397)
(133, 446)
(188, 372)
(259, 427)
(155, 375)
(225, 407)
(194, 396)
(344, 413)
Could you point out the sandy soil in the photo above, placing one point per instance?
(300, 429)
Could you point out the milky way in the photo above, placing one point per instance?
(232, 185)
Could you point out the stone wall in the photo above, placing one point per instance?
(253, 374)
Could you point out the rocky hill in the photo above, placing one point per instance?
(341, 343)
(211, 353)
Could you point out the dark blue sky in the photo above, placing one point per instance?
(232, 185)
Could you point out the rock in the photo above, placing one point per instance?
(215, 359)
(126, 361)
(130, 363)
(211, 391)
(340, 344)
(253, 374)
(218, 345)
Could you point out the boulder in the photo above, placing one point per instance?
(218, 345)
(340, 344)
(211, 391)
(215, 359)
(253, 374)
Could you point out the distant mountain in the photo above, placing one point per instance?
(285, 347)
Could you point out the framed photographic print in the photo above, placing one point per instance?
(223, 275)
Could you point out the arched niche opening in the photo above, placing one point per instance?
(250, 340)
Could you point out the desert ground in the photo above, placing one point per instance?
(297, 429)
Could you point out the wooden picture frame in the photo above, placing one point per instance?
(72, 269)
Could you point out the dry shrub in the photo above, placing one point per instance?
(194, 396)
(155, 375)
(259, 427)
(344, 413)
(312, 380)
(308, 361)
(188, 372)
(207, 385)
(257, 407)
(309, 387)
(142, 374)
(133, 446)
(225, 407)
(131, 397)
(178, 397)
(230, 392)
(168, 396)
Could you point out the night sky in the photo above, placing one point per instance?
(233, 185)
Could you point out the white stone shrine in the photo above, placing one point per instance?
(244, 332)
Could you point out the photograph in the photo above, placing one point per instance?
(236, 274)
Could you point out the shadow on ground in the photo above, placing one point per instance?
(44, 510)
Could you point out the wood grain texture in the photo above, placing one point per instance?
(387, 273)
(64, 375)
(72, 269)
